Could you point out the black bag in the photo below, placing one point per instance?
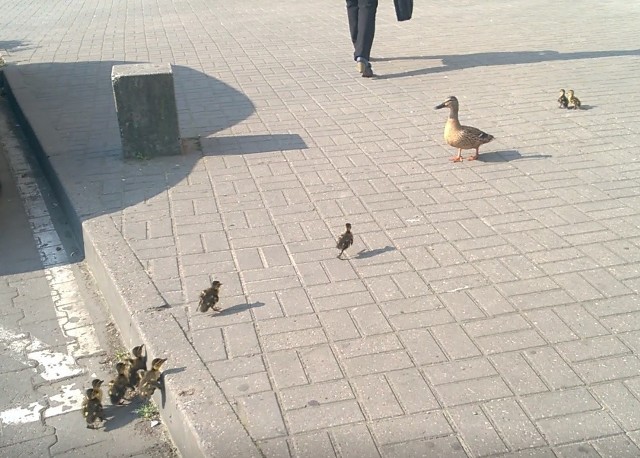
(404, 8)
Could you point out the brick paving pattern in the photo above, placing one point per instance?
(487, 308)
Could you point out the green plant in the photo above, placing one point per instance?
(121, 354)
(148, 411)
(141, 156)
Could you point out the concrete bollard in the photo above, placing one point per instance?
(146, 109)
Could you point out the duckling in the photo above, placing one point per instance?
(137, 363)
(563, 101)
(461, 137)
(345, 240)
(574, 102)
(92, 408)
(96, 385)
(150, 380)
(209, 297)
(118, 386)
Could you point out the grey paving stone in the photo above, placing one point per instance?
(512, 422)
(476, 430)
(552, 368)
(578, 427)
(261, 415)
(616, 446)
(422, 347)
(448, 446)
(412, 391)
(558, 403)
(313, 445)
(550, 326)
(354, 441)
(324, 416)
(320, 364)
(621, 402)
(601, 370)
(316, 394)
(408, 428)
(455, 341)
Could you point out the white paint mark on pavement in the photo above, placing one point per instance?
(52, 365)
(68, 400)
(73, 318)
(22, 414)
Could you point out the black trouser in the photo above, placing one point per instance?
(362, 25)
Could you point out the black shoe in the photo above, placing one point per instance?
(364, 67)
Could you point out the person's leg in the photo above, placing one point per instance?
(352, 15)
(366, 27)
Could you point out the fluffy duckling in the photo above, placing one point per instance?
(150, 380)
(92, 408)
(136, 364)
(209, 297)
(118, 386)
(574, 102)
(563, 101)
(345, 240)
(96, 386)
(459, 136)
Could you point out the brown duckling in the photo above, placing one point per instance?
(209, 297)
(96, 386)
(459, 136)
(135, 364)
(345, 240)
(574, 102)
(150, 380)
(92, 409)
(118, 386)
(563, 101)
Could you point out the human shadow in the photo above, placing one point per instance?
(14, 45)
(487, 59)
(239, 308)
(508, 156)
(364, 254)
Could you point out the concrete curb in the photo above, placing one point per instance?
(199, 417)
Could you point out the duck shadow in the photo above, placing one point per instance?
(238, 308)
(488, 59)
(364, 254)
(120, 416)
(508, 156)
(583, 108)
(163, 391)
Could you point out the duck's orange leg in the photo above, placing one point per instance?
(475, 156)
(457, 158)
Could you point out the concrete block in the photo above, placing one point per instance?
(146, 110)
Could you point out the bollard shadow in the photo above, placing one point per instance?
(364, 254)
(68, 113)
(508, 156)
(250, 144)
(450, 62)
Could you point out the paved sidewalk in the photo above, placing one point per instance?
(486, 308)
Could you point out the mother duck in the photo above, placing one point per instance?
(462, 137)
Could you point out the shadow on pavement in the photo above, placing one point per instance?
(73, 127)
(371, 253)
(487, 59)
(508, 156)
(239, 308)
